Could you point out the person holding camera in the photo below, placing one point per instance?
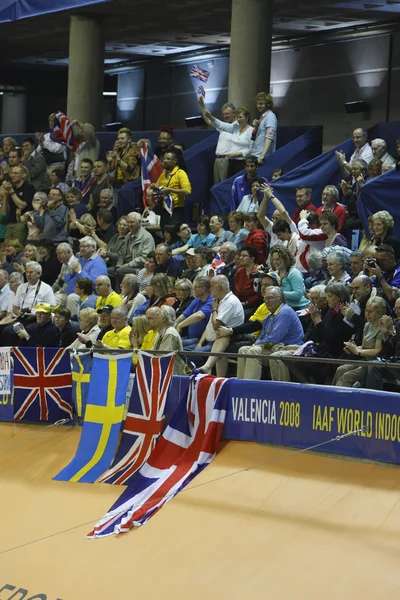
(386, 271)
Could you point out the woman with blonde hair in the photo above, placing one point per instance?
(88, 329)
(381, 225)
(139, 329)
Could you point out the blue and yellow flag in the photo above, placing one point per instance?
(81, 367)
(103, 417)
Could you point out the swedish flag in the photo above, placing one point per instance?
(103, 417)
(81, 367)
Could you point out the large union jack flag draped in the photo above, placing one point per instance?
(63, 132)
(145, 417)
(188, 444)
(199, 73)
(42, 384)
(151, 168)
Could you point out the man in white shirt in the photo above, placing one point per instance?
(227, 311)
(362, 150)
(379, 150)
(5, 293)
(223, 148)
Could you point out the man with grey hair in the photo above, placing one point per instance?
(228, 112)
(139, 243)
(362, 150)
(89, 265)
(66, 257)
(228, 253)
(330, 202)
(379, 150)
(194, 319)
(5, 293)
(281, 328)
(132, 299)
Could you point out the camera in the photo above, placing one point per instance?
(371, 262)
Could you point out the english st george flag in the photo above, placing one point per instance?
(187, 446)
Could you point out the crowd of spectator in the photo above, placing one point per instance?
(74, 273)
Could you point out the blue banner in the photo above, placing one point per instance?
(7, 403)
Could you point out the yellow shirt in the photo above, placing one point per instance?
(260, 314)
(178, 180)
(113, 299)
(118, 339)
(147, 344)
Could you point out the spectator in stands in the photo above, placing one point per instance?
(223, 148)
(192, 322)
(39, 205)
(251, 202)
(105, 294)
(357, 263)
(101, 182)
(330, 197)
(184, 293)
(370, 348)
(55, 154)
(265, 128)
(279, 213)
(85, 180)
(57, 180)
(132, 299)
(90, 265)
(19, 197)
(171, 235)
(111, 251)
(14, 252)
(151, 220)
(184, 233)
(336, 264)
(192, 270)
(204, 258)
(159, 292)
(149, 338)
(139, 330)
(227, 253)
(256, 236)
(35, 164)
(105, 230)
(5, 293)
(30, 253)
(15, 159)
(118, 335)
(166, 143)
(292, 281)
(66, 258)
(174, 185)
(244, 282)
(75, 205)
(3, 216)
(374, 168)
(236, 225)
(217, 229)
(386, 272)
(329, 225)
(282, 230)
(48, 261)
(8, 145)
(168, 339)
(123, 160)
(382, 224)
(318, 305)
(137, 246)
(310, 239)
(15, 280)
(145, 275)
(53, 220)
(40, 333)
(281, 327)
(106, 201)
(89, 329)
(62, 320)
(227, 311)
(276, 173)
(242, 184)
(379, 150)
(105, 321)
(303, 201)
(166, 263)
(354, 313)
(240, 140)
(362, 150)
(87, 299)
(351, 190)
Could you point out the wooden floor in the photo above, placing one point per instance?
(305, 527)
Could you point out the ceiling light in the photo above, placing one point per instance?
(109, 93)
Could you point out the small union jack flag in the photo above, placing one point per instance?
(63, 132)
(201, 91)
(151, 168)
(145, 416)
(42, 384)
(199, 73)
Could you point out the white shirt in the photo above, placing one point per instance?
(229, 312)
(248, 204)
(5, 294)
(27, 295)
(274, 240)
(365, 153)
(149, 217)
(240, 142)
(53, 147)
(224, 143)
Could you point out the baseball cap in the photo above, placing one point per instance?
(273, 276)
(190, 251)
(106, 308)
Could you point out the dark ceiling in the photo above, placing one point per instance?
(139, 29)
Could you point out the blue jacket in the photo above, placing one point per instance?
(282, 326)
(92, 268)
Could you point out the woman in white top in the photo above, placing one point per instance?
(251, 202)
(89, 330)
(240, 131)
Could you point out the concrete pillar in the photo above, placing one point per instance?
(250, 55)
(13, 114)
(86, 70)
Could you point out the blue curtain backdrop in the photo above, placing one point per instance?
(13, 10)
(381, 193)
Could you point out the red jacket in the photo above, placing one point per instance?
(243, 287)
(258, 239)
(339, 211)
(296, 215)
